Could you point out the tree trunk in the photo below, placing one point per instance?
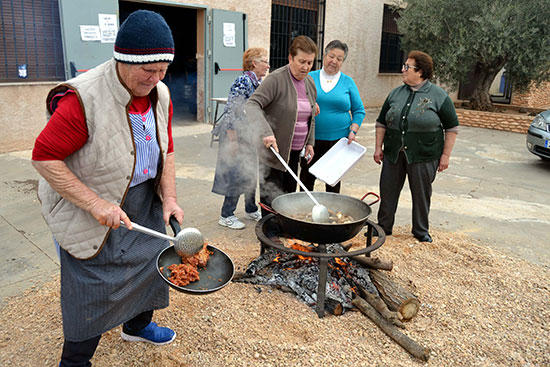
(482, 79)
(396, 297)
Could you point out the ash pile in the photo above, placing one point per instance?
(300, 275)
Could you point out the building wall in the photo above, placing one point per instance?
(359, 24)
(23, 114)
(258, 13)
(356, 22)
(23, 104)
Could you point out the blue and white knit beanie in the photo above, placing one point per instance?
(144, 38)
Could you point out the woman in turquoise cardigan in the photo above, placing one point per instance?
(337, 96)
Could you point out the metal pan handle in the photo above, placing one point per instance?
(268, 208)
(371, 193)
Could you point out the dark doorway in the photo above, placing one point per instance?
(182, 73)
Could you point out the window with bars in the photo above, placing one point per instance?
(31, 46)
(391, 54)
(292, 18)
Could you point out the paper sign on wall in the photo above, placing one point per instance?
(108, 27)
(90, 33)
(229, 34)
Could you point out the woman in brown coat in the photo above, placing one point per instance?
(283, 109)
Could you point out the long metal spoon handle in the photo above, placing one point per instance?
(139, 228)
(293, 174)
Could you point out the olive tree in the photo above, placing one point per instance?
(482, 36)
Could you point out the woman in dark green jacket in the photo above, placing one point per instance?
(415, 134)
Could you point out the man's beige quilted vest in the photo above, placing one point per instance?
(106, 162)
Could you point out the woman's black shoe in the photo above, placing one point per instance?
(425, 238)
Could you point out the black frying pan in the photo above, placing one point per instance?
(218, 271)
(297, 203)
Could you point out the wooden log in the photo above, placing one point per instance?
(347, 246)
(379, 305)
(403, 340)
(396, 297)
(374, 262)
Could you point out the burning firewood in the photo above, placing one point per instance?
(403, 340)
(395, 296)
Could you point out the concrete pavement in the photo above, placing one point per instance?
(495, 191)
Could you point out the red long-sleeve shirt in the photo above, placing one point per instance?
(66, 131)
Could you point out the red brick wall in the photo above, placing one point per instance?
(534, 97)
(494, 120)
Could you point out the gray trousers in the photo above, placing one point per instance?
(392, 178)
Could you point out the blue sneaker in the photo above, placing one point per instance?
(152, 334)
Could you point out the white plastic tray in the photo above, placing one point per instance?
(337, 161)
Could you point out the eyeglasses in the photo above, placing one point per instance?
(407, 67)
(264, 61)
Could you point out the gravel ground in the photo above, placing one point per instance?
(480, 307)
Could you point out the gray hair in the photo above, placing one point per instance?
(337, 44)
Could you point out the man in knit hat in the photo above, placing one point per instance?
(106, 156)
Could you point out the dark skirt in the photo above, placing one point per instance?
(122, 280)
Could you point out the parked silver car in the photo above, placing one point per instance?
(538, 136)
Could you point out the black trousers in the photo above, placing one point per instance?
(78, 354)
(321, 147)
(420, 176)
(274, 183)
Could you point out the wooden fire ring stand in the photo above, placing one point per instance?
(271, 220)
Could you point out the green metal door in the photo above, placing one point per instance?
(229, 40)
(88, 29)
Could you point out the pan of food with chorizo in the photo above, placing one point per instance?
(207, 271)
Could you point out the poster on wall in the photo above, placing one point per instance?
(229, 34)
(107, 27)
(89, 33)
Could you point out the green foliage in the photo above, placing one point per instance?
(487, 35)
